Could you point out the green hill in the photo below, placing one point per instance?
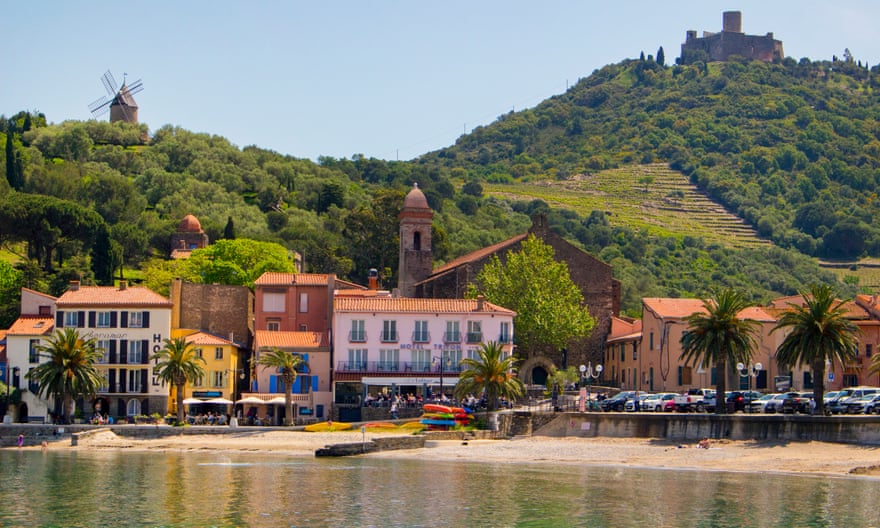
(793, 149)
(679, 177)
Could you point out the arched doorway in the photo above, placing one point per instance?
(22, 412)
(539, 375)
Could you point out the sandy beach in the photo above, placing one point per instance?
(742, 456)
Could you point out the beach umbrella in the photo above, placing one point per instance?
(251, 400)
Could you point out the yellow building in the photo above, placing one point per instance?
(224, 374)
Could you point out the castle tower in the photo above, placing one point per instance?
(732, 21)
(416, 259)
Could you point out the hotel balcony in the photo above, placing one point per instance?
(354, 370)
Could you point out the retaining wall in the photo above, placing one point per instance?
(861, 430)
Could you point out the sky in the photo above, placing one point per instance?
(382, 78)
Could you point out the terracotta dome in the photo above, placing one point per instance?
(189, 224)
(415, 199)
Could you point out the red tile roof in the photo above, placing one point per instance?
(134, 296)
(300, 340)
(275, 278)
(32, 325)
(682, 308)
(852, 310)
(410, 305)
(206, 339)
(479, 254)
(623, 330)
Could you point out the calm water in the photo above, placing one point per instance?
(157, 489)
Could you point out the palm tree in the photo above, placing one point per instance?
(490, 372)
(819, 332)
(286, 364)
(69, 371)
(178, 364)
(717, 336)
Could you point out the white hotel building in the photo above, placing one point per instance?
(383, 343)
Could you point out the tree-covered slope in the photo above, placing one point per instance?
(791, 148)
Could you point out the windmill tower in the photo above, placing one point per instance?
(118, 101)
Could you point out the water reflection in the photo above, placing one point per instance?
(118, 488)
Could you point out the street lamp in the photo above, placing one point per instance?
(10, 373)
(591, 373)
(441, 361)
(750, 371)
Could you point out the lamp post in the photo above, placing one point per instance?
(750, 371)
(441, 361)
(591, 373)
(10, 373)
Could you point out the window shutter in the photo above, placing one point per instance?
(144, 387)
(145, 356)
(314, 383)
(112, 354)
(123, 320)
(80, 319)
(123, 351)
(146, 323)
(59, 319)
(112, 378)
(122, 380)
(113, 319)
(91, 319)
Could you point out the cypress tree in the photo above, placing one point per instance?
(229, 230)
(102, 261)
(661, 57)
(10, 154)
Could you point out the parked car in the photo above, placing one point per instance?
(837, 405)
(775, 404)
(699, 400)
(630, 404)
(616, 402)
(739, 400)
(758, 406)
(794, 402)
(664, 401)
(860, 405)
(873, 406)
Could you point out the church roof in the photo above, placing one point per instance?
(476, 256)
(189, 224)
(415, 199)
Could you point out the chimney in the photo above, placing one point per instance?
(374, 279)
(480, 300)
(123, 285)
(74, 285)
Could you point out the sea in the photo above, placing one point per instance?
(206, 489)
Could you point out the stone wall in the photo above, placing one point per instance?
(861, 430)
(217, 309)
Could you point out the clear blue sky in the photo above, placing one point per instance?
(387, 79)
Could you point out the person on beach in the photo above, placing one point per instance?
(20, 440)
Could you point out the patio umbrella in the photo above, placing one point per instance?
(278, 400)
(192, 401)
(221, 401)
(251, 400)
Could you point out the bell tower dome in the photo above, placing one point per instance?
(416, 260)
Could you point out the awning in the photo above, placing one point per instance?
(251, 400)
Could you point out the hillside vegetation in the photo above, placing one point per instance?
(665, 173)
(793, 148)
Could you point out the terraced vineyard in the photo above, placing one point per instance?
(651, 197)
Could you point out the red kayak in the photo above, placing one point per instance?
(435, 408)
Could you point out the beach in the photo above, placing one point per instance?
(818, 458)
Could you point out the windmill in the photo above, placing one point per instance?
(118, 101)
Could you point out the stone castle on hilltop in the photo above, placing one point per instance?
(729, 42)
